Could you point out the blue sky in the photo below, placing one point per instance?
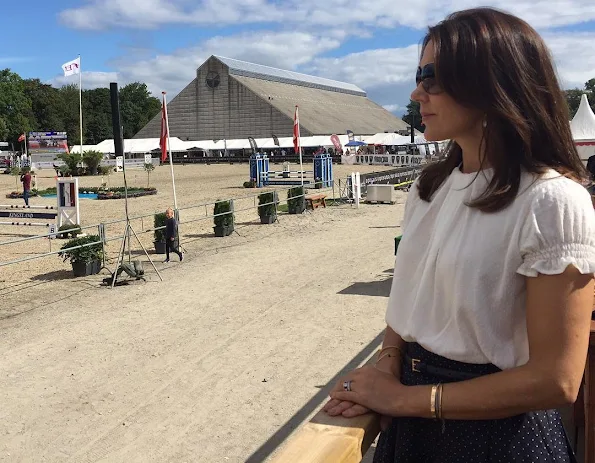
(373, 44)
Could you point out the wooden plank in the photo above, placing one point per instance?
(327, 439)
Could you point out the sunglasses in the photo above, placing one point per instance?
(426, 76)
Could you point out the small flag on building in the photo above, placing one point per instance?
(275, 140)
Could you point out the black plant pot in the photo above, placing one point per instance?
(268, 219)
(223, 230)
(159, 247)
(297, 208)
(82, 269)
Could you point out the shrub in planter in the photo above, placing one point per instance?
(85, 260)
(69, 230)
(296, 200)
(159, 220)
(267, 206)
(223, 218)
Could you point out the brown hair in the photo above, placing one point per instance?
(495, 62)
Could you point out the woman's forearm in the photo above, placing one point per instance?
(499, 395)
(392, 363)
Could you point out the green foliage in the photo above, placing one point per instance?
(159, 220)
(414, 115)
(15, 106)
(148, 167)
(104, 170)
(16, 172)
(250, 184)
(137, 106)
(71, 161)
(296, 202)
(69, 231)
(223, 217)
(88, 253)
(267, 203)
(92, 159)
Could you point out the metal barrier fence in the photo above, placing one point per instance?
(102, 229)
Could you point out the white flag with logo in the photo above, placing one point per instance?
(72, 67)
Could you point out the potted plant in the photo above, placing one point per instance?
(223, 218)
(159, 222)
(267, 207)
(86, 257)
(296, 200)
(69, 230)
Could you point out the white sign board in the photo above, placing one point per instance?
(148, 159)
(119, 163)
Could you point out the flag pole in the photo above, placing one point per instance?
(171, 163)
(81, 102)
(300, 144)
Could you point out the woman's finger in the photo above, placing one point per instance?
(356, 410)
(332, 403)
(339, 409)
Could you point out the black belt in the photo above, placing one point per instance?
(419, 366)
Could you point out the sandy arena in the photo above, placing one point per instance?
(219, 362)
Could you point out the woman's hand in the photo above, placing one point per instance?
(371, 389)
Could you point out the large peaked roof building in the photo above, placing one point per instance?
(232, 99)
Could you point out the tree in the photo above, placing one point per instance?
(45, 106)
(97, 115)
(138, 107)
(149, 167)
(71, 161)
(16, 173)
(69, 108)
(92, 159)
(413, 115)
(15, 106)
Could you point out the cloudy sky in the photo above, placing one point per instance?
(371, 43)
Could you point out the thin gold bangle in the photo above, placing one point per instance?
(439, 401)
(390, 347)
(433, 401)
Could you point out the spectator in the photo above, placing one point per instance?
(171, 235)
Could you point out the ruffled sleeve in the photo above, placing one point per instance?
(558, 230)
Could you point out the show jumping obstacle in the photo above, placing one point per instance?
(320, 176)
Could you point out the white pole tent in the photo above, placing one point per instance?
(583, 130)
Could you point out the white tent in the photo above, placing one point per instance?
(388, 139)
(583, 129)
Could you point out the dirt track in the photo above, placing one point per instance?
(217, 363)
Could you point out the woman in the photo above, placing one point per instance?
(490, 307)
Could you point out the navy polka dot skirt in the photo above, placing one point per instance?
(535, 437)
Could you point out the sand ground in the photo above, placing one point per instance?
(219, 362)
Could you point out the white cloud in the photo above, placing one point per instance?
(89, 80)
(286, 50)
(573, 53)
(309, 14)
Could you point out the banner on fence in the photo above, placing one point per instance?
(390, 177)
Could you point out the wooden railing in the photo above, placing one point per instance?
(326, 439)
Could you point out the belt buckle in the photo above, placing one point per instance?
(414, 363)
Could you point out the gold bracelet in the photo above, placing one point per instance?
(439, 401)
(433, 401)
(390, 347)
(383, 357)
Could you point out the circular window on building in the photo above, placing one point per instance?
(213, 79)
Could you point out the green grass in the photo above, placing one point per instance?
(282, 208)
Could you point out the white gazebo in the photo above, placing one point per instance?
(583, 130)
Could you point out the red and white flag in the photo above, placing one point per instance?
(296, 131)
(163, 138)
(21, 138)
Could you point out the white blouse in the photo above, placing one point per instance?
(459, 282)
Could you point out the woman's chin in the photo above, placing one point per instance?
(432, 135)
